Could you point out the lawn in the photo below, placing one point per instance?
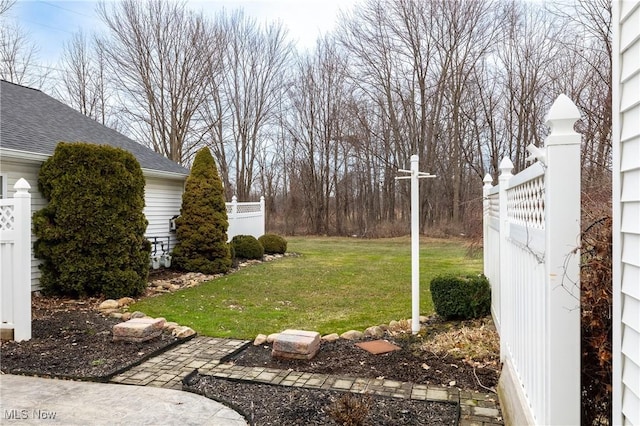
(336, 284)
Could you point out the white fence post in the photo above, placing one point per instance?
(22, 265)
(264, 214)
(234, 207)
(562, 228)
(506, 309)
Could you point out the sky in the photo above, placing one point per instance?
(50, 23)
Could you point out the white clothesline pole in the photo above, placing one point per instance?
(414, 175)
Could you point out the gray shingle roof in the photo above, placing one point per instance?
(34, 122)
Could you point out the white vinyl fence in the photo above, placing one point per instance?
(245, 218)
(15, 262)
(531, 239)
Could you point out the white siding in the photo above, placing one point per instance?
(626, 212)
(163, 198)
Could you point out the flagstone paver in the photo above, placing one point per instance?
(205, 354)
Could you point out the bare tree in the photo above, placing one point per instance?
(318, 98)
(584, 74)
(83, 77)
(5, 5)
(157, 52)
(244, 98)
(18, 56)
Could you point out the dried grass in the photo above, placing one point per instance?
(476, 343)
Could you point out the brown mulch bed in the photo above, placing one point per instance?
(71, 340)
(409, 364)
(263, 404)
(276, 405)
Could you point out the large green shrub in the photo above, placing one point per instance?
(90, 236)
(273, 244)
(461, 297)
(202, 226)
(247, 247)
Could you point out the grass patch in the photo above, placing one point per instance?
(337, 284)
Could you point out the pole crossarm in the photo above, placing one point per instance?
(421, 175)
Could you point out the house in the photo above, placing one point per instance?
(626, 212)
(31, 125)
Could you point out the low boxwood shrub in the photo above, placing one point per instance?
(461, 297)
(247, 247)
(273, 244)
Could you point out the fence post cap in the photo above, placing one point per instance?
(22, 185)
(488, 180)
(562, 115)
(262, 198)
(234, 199)
(506, 166)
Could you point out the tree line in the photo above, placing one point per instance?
(322, 133)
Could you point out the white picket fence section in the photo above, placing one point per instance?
(531, 240)
(246, 218)
(15, 262)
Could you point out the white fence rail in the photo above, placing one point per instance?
(15, 262)
(246, 218)
(531, 239)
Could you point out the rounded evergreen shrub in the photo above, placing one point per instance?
(273, 244)
(247, 247)
(90, 235)
(461, 297)
(201, 229)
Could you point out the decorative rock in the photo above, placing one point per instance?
(108, 304)
(109, 311)
(126, 316)
(116, 315)
(138, 330)
(125, 301)
(352, 335)
(374, 331)
(137, 314)
(400, 326)
(423, 318)
(183, 332)
(296, 344)
(261, 339)
(170, 326)
(330, 337)
(272, 337)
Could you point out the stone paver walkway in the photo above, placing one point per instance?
(168, 369)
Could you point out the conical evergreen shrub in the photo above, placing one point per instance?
(202, 226)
